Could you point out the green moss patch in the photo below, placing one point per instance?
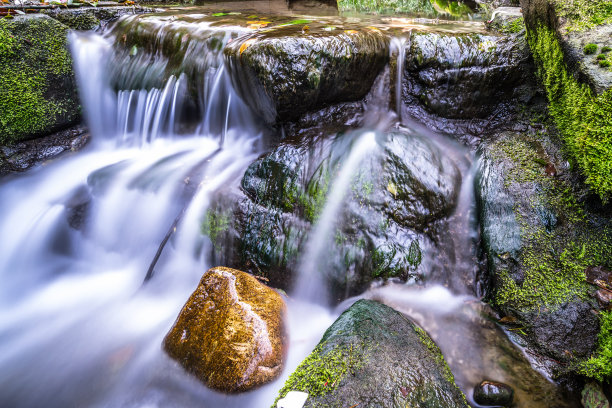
(322, 370)
(557, 249)
(584, 14)
(600, 365)
(37, 92)
(585, 120)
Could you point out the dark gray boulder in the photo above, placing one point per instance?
(374, 356)
(466, 76)
(290, 70)
(395, 207)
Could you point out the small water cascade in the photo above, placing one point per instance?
(310, 284)
(398, 50)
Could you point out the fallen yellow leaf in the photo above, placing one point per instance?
(246, 45)
(392, 189)
(350, 31)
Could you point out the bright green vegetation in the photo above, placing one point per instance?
(584, 120)
(381, 6)
(600, 365)
(604, 63)
(215, 223)
(322, 370)
(585, 14)
(513, 27)
(34, 67)
(605, 49)
(590, 49)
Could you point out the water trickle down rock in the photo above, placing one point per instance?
(396, 203)
(231, 332)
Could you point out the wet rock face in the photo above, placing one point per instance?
(374, 356)
(230, 333)
(539, 242)
(492, 393)
(394, 204)
(466, 76)
(286, 72)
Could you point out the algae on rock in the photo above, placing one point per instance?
(37, 87)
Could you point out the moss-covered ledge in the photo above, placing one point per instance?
(580, 101)
(37, 87)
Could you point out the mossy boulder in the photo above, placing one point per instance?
(37, 86)
(395, 205)
(374, 356)
(539, 241)
(231, 332)
(290, 70)
(466, 76)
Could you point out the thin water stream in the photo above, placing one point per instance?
(77, 325)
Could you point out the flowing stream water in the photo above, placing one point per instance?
(80, 235)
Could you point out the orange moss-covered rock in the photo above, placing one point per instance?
(230, 333)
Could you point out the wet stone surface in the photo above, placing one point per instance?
(490, 393)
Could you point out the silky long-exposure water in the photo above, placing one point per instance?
(101, 248)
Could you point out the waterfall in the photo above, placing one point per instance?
(83, 230)
(310, 282)
(398, 49)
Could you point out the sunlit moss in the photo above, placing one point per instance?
(585, 120)
(323, 370)
(584, 14)
(599, 366)
(34, 59)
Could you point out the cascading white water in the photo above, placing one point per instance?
(310, 282)
(398, 50)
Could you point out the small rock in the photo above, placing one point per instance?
(604, 297)
(293, 399)
(594, 397)
(492, 393)
(230, 333)
(598, 273)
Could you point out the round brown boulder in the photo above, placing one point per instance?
(230, 333)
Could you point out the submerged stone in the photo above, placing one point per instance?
(594, 397)
(374, 356)
(492, 393)
(231, 332)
